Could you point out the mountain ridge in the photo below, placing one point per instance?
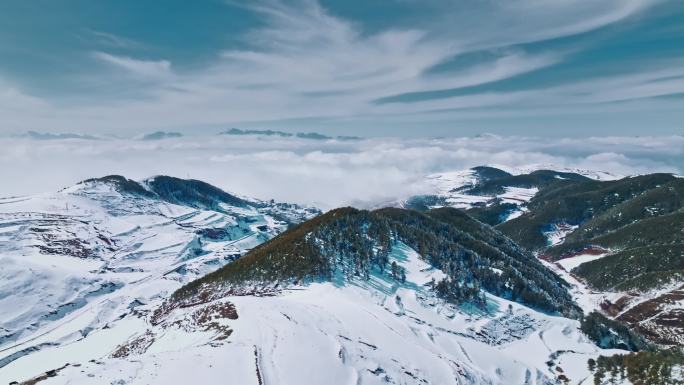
(360, 240)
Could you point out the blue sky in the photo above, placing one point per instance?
(356, 67)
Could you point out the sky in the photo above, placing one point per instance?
(429, 85)
(373, 68)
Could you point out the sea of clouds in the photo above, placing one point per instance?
(326, 173)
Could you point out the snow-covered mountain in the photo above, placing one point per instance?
(84, 256)
(361, 332)
(504, 191)
(171, 281)
(617, 241)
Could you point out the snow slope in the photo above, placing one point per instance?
(451, 186)
(84, 272)
(592, 174)
(570, 263)
(73, 261)
(557, 233)
(341, 332)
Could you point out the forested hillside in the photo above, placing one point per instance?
(356, 244)
(621, 237)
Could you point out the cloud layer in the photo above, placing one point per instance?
(326, 173)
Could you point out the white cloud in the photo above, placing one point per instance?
(531, 20)
(110, 39)
(154, 68)
(305, 63)
(325, 173)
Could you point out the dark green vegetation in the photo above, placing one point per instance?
(496, 183)
(425, 202)
(641, 219)
(357, 244)
(188, 192)
(648, 234)
(488, 173)
(494, 214)
(642, 368)
(638, 220)
(665, 198)
(192, 193)
(122, 184)
(201, 195)
(609, 334)
(490, 182)
(578, 203)
(639, 268)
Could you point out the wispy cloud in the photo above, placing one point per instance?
(148, 68)
(304, 62)
(110, 39)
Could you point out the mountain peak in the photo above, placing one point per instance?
(120, 183)
(185, 192)
(192, 192)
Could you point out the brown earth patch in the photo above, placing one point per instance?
(589, 250)
(209, 318)
(138, 345)
(206, 296)
(615, 308)
(657, 320)
(42, 377)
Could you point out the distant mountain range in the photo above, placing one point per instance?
(159, 135)
(59, 136)
(283, 134)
